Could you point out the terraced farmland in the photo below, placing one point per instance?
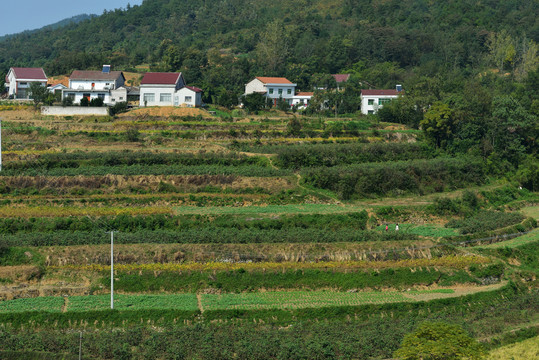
(232, 230)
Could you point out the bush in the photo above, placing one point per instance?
(97, 102)
(132, 135)
(117, 108)
(485, 221)
(437, 341)
(417, 176)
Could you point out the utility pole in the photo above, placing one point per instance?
(80, 346)
(112, 269)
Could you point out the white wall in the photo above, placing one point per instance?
(158, 92)
(375, 106)
(298, 100)
(78, 95)
(196, 97)
(87, 84)
(281, 90)
(73, 110)
(118, 95)
(253, 86)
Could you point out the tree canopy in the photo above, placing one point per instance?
(439, 341)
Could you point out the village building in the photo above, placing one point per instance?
(93, 84)
(18, 81)
(302, 99)
(374, 100)
(168, 89)
(274, 88)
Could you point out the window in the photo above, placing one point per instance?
(121, 97)
(271, 90)
(289, 91)
(371, 112)
(23, 83)
(188, 99)
(149, 97)
(383, 101)
(101, 96)
(166, 98)
(280, 91)
(370, 102)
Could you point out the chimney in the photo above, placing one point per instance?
(399, 88)
(106, 69)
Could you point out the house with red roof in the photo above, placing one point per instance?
(18, 81)
(373, 100)
(302, 99)
(273, 88)
(92, 84)
(168, 89)
(341, 79)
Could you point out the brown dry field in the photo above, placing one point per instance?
(166, 111)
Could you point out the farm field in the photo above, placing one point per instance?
(244, 301)
(231, 229)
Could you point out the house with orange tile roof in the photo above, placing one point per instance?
(302, 99)
(18, 81)
(273, 88)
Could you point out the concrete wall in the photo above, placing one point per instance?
(73, 110)
(253, 86)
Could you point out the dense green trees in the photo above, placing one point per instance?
(439, 341)
(469, 69)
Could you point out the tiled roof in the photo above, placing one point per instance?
(95, 75)
(380, 92)
(195, 89)
(274, 80)
(29, 73)
(304, 93)
(341, 77)
(160, 78)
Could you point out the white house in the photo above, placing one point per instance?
(373, 100)
(93, 84)
(190, 96)
(18, 81)
(302, 99)
(273, 88)
(161, 89)
(56, 88)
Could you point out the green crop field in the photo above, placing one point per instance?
(230, 231)
(48, 303)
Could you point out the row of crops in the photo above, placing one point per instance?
(267, 300)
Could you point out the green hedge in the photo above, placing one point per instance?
(239, 281)
(394, 178)
(485, 221)
(124, 223)
(329, 155)
(203, 236)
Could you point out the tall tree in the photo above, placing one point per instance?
(438, 124)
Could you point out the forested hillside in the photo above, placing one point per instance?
(222, 43)
(473, 63)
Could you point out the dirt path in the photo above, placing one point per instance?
(66, 304)
(199, 302)
(459, 290)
